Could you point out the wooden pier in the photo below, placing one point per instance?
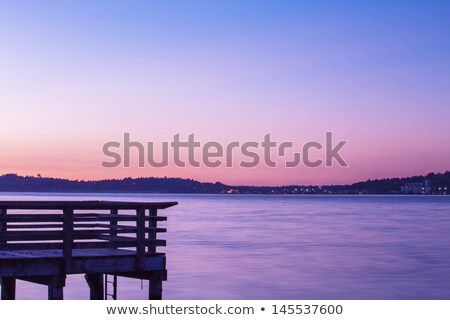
(44, 241)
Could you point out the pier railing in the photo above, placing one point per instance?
(72, 226)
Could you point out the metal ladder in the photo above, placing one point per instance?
(113, 295)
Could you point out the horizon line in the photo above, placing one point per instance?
(38, 176)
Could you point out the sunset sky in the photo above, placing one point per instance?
(76, 75)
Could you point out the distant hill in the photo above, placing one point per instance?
(440, 183)
(13, 182)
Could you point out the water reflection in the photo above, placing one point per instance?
(292, 247)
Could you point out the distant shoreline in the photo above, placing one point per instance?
(431, 184)
(223, 194)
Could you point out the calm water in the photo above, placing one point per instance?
(292, 247)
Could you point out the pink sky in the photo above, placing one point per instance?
(74, 78)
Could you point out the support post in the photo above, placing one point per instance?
(55, 293)
(95, 282)
(56, 287)
(155, 286)
(8, 288)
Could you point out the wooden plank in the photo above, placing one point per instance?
(30, 246)
(35, 226)
(102, 252)
(48, 217)
(118, 230)
(83, 205)
(52, 235)
(68, 239)
(30, 254)
(58, 253)
(140, 235)
(50, 267)
(31, 233)
(108, 237)
(118, 242)
(30, 267)
(120, 217)
(114, 265)
(121, 242)
(25, 236)
(80, 232)
(126, 217)
(49, 235)
(42, 217)
(128, 229)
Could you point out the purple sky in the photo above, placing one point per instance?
(76, 75)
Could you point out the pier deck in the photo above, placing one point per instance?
(44, 241)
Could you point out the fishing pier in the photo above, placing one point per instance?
(44, 241)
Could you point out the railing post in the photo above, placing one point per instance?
(113, 223)
(3, 224)
(67, 239)
(153, 223)
(140, 238)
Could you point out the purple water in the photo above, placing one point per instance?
(291, 247)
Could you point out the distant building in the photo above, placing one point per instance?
(427, 186)
(412, 188)
(416, 187)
